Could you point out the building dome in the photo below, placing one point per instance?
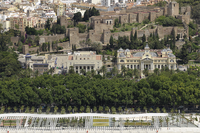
(164, 50)
(122, 55)
(127, 50)
(120, 50)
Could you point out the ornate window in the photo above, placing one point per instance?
(171, 60)
(121, 60)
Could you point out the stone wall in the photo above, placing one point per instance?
(33, 49)
(65, 45)
(49, 38)
(73, 34)
(14, 40)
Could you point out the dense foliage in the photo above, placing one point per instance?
(91, 12)
(88, 13)
(33, 31)
(166, 89)
(168, 21)
(58, 29)
(81, 28)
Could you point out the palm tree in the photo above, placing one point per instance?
(161, 121)
(32, 109)
(69, 109)
(113, 120)
(94, 109)
(83, 72)
(127, 122)
(113, 109)
(177, 120)
(62, 110)
(157, 110)
(167, 121)
(9, 108)
(156, 71)
(55, 109)
(141, 122)
(89, 74)
(82, 108)
(151, 109)
(15, 109)
(146, 72)
(123, 70)
(93, 72)
(163, 110)
(27, 109)
(136, 73)
(36, 73)
(138, 109)
(114, 71)
(119, 109)
(40, 110)
(51, 70)
(48, 109)
(22, 108)
(75, 109)
(106, 109)
(145, 108)
(103, 70)
(133, 110)
(100, 108)
(88, 109)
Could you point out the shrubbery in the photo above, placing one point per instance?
(169, 21)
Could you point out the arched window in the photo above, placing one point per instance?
(121, 60)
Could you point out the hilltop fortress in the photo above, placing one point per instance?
(102, 25)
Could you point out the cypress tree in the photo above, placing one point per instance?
(111, 41)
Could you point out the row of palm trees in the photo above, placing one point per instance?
(86, 109)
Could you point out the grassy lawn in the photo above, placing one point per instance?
(127, 27)
(100, 120)
(101, 124)
(137, 124)
(8, 124)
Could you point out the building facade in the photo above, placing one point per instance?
(86, 60)
(146, 59)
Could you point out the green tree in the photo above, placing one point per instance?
(77, 17)
(22, 108)
(111, 41)
(184, 54)
(32, 109)
(55, 109)
(100, 108)
(63, 110)
(27, 109)
(146, 72)
(69, 108)
(82, 108)
(95, 109)
(113, 109)
(106, 109)
(88, 109)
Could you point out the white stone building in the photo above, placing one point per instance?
(146, 59)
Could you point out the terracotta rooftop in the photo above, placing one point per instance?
(98, 57)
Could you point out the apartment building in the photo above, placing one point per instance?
(23, 22)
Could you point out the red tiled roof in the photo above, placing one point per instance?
(70, 57)
(98, 57)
